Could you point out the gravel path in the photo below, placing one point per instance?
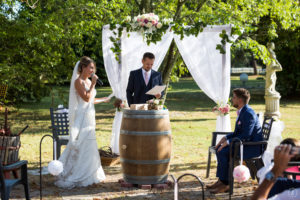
(111, 189)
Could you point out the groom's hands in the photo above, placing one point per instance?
(223, 143)
(157, 96)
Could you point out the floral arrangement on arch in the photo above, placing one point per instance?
(148, 24)
(221, 109)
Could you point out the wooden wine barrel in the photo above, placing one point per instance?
(145, 146)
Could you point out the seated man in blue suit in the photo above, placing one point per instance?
(142, 80)
(247, 128)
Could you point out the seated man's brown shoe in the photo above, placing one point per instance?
(221, 188)
(213, 186)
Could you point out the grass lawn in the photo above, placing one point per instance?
(190, 113)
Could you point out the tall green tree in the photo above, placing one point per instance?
(256, 22)
(39, 47)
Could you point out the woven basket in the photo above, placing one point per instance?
(108, 158)
(9, 149)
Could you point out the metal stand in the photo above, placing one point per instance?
(177, 181)
(41, 161)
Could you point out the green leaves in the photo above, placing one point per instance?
(41, 46)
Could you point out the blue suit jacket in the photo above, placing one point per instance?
(247, 127)
(136, 88)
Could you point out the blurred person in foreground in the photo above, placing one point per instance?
(274, 186)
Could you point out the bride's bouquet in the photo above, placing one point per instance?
(119, 104)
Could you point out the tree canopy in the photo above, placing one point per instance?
(40, 46)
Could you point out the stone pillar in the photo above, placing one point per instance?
(272, 106)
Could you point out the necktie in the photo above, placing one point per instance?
(146, 78)
(237, 113)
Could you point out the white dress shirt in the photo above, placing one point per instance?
(291, 194)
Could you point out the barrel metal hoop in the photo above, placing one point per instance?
(145, 116)
(145, 162)
(145, 133)
(145, 179)
(146, 112)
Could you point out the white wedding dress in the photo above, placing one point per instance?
(81, 160)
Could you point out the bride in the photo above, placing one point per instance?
(81, 160)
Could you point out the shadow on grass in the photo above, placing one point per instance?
(188, 166)
(190, 120)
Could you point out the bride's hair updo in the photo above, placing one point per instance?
(84, 62)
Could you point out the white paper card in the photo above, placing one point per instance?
(156, 90)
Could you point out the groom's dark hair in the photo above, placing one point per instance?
(148, 55)
(242, 93)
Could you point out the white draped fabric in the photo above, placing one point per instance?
(132, 50)
(209, 68)
(274, 140)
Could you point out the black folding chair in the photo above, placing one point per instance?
(60, 130)
(212, 150)
(8, 184)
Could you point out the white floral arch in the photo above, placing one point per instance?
(209, 68)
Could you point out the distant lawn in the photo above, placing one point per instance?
(190, 113)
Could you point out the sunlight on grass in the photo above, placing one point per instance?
(190, 114)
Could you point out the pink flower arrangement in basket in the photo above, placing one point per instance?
(221, 109)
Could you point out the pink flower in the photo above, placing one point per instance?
(226, 109)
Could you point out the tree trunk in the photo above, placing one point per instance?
(145, 6)
(171, 59)
(170, 63)
(254, 64)
(172, 54)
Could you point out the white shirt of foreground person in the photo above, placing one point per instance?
(291, 194)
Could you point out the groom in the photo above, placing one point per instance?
(142, 80)
(247, 128)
